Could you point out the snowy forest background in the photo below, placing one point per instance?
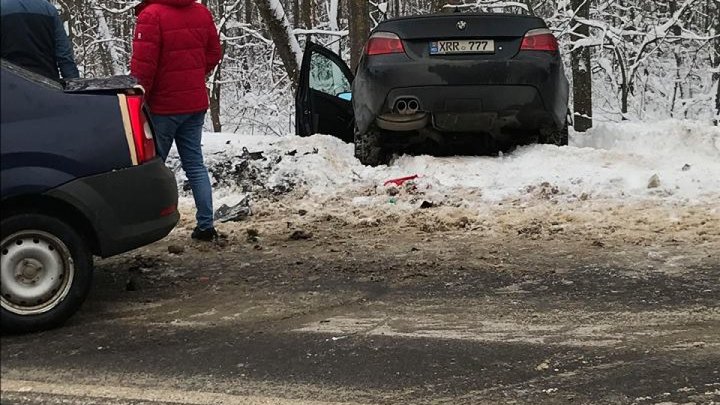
(648, 60)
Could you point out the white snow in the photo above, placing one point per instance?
(610, 162)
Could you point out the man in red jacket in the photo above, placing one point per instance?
(176, 46)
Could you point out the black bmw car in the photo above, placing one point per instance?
(496, 79)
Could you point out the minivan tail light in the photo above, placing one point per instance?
(539, 40)
(383, 43)
(141, 131)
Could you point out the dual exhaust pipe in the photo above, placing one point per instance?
(407, 105)
(405, 116)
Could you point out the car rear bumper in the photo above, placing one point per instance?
(529, 91)
(127, 208)
(492, 109)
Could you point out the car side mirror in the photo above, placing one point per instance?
(346, 96)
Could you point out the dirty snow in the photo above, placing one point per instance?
(614, 161)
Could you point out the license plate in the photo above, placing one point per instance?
(462, 46)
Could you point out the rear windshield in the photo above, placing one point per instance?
(515, 8)
(31, 76)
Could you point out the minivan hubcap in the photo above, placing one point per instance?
(36, 273)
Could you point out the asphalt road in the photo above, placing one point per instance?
(450, 316)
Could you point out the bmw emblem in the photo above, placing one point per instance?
(461, 25)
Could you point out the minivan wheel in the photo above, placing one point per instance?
(45, 274)
(369, 149)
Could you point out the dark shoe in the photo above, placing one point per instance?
(205, 235)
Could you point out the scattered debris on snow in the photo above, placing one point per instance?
(611, 162)
(400, 181)
(252, 155)
(236, 212)
(654, 181)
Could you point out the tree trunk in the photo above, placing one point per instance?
(215, 100)
(249, 11)
(340, 9)
(677, 89)
(112, 60)
(717, 102)
(297, 19)
(624, 87)
(582, 71)
(716, 75)
(359, 26)
(279, 27)
(306, 12)
(333, 23)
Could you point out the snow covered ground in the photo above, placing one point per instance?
(673, 162)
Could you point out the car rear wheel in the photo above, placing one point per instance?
(369, 149)
(554, 136)
(46, 272)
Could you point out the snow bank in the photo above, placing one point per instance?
(612, 161)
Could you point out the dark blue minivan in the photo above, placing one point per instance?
(80, 178)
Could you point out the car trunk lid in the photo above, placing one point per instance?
(501, 34)
(135, 116)
(114, 84)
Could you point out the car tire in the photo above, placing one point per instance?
(46, 272)
(554, 136)
(369, 150)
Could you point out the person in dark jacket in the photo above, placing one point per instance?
(33, 37)
(176, 45)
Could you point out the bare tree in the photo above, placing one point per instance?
(716, 75)
(306, 13)
(581, 70)
(359, 28)
(333, 7)
(282, 35)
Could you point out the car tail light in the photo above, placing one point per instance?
(383, 43)
(539, 40)
(142, 134)
(169, 210)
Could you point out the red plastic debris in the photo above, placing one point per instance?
(400, 181)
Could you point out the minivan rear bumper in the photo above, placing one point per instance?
(127, 208)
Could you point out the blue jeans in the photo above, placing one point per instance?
(186, 131)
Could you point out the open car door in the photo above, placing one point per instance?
(323, 99)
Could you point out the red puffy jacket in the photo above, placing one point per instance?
(176, 46)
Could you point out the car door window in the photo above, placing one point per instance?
(326, 76)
